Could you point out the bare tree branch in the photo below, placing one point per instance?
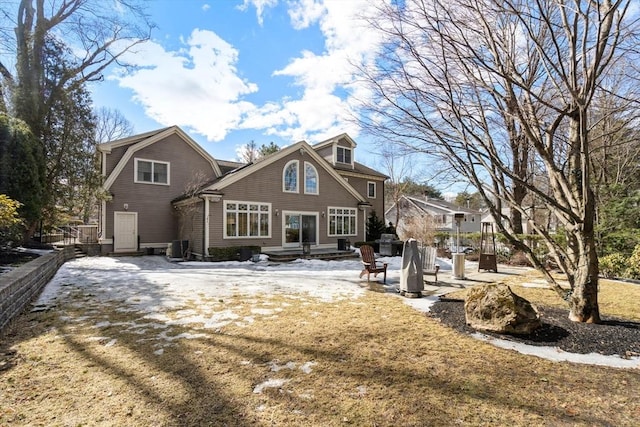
(502, 92)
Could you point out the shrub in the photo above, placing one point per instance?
(622, 241)
(474, 256)
(633, 264)
(9, 220)
(231, 253)
(519, 258)
(444, 253)
(612, 265)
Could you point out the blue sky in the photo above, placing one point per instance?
(229, 72)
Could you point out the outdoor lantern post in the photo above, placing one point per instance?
(458, 257)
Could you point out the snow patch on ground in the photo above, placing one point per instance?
(201, 295)
(539, 283)
(272, 383)
(559, 355)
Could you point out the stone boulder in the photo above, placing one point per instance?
(496, 308)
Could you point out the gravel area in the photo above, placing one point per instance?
(612, 336)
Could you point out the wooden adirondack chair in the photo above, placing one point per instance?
(369, 263)
(429, 266)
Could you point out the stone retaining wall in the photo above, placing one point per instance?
(22, 285)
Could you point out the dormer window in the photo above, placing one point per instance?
(343, 155)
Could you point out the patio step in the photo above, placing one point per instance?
(78, 253)
(130, 253)
(291, 255)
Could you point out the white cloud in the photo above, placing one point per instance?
(206, 7)
(304, 13)
(197, 87)
(327, 79)
(260, 6)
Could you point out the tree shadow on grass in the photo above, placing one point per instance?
(353, 354)
(207, 398)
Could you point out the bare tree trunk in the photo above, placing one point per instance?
(500, 90)
(42, 81)
(583, 302)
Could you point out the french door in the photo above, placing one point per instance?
(300, 228)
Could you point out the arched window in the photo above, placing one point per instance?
(290, 177)
(310, 179)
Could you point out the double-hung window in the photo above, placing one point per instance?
(343, 155)
(151, 172)
(342, 221)
(371, 190)
(247, 219)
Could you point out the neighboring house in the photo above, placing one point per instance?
(165, 187)
(439, 213)
(542, 216)
(488, 217)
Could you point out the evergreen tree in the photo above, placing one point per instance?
(265, 150)
(22, 173)
(619, 221)
(68, 140)
(469, 200)
(375, 227)
(47, 90)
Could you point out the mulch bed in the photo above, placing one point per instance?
(612, 336)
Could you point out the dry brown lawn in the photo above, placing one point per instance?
(373, 361)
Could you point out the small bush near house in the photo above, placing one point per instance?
(519, 258)
(613, 265)
(473, 256)
(633, 264)
(444, 253)
(375, 226)
(232, 253)
(9, 221)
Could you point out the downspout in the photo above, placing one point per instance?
(205, 226)
(103, 203)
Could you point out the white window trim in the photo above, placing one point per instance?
(135, 171)
(296, 213)
(284, 171)
(236, 202)
(344, 148)
(317, 192)
(354, 232)
(375, 189)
